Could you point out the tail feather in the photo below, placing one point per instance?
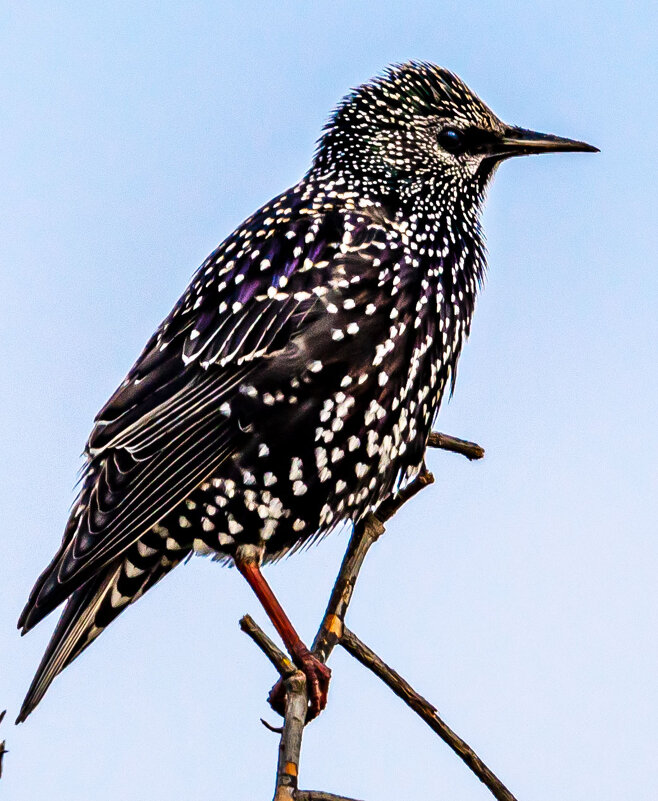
(92, 607)
(34, 610)
(75, 630)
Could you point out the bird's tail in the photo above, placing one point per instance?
(92, 607)
(75, 630)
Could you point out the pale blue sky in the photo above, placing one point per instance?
(518, 594)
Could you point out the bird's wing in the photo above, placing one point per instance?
(166, 428)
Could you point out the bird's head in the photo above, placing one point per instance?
(418, 132)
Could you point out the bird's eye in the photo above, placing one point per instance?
(451, 140)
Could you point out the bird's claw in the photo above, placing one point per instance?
(317, 675)
(277, 697)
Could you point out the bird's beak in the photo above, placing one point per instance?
(521, 142)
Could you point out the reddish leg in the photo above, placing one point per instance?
(247, 560)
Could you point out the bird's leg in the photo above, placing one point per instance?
(248, 560)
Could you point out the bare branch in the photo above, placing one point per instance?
(291, 737)
(281, 662)
(360, 651)
(315, 795)
(394, 503)
(333, 631)
(365, 534)
(471, 450)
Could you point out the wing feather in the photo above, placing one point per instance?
(165, 430)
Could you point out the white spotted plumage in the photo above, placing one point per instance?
(295, 382)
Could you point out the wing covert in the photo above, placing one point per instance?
(257, 310)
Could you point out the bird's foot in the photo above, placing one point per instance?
(317, 684)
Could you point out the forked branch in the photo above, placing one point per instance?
(333, 631)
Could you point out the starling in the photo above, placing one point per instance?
(295, 383)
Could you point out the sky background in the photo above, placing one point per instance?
(519, 593)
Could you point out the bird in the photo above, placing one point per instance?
(294, 385)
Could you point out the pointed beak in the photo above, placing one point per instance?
(520, 142)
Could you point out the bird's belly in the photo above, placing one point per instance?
(283, 491)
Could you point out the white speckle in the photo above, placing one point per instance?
(183, 522)
(263, 450)
(268, 529)
(298, 525)
(145, 550)
(326, 515)
(337, 454)
(299, 488)
(233, 526)
(295, 468)
(116, 599)
(320, 457)
(132, 571)
(172, 545)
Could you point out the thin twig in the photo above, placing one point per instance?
(360, 651)
(394, 503)
(3, 749)
(365, 534)
(281, 662)
(316, 795)
(471, 450)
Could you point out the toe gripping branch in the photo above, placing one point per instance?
(291, 693)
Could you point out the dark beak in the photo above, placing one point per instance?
(520, 142)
